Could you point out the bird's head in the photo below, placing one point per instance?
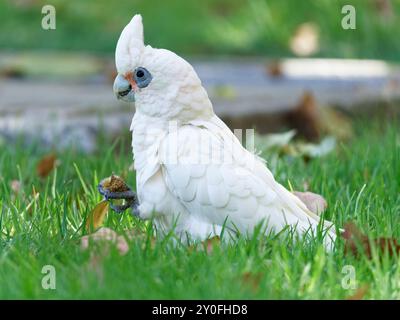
(161, 83)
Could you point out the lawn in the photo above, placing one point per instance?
(360, 180)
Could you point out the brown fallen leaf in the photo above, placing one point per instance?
(314, 202)
(252, 280)
(359, 294)
(96, 217)
(46, 165)
(357, 243)
(106, 236)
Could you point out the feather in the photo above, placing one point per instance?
(130, 45)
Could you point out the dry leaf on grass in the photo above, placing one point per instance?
(357, 243)
(46, 165)
(106, 236)
(359, 294)
(96, 217)
(252, 280)
(314, 202)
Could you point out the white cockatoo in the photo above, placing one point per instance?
(193, 175)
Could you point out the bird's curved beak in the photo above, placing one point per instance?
(124, 88)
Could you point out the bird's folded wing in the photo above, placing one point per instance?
(217, 180)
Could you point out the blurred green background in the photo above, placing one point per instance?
(207, 27)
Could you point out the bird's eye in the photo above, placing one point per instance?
(142, 77)
(140, 73)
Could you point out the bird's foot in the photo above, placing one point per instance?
(123, 207)
(129, 197)
(119, 208)
(109, 195)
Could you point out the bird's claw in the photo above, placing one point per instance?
(130, 197)
(119, 208)
(107, 194)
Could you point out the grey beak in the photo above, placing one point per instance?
(123, 89)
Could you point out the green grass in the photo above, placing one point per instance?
(251, 27)
(360, 180)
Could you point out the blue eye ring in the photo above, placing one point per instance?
(142, 77)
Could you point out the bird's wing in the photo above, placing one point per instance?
(220, 181)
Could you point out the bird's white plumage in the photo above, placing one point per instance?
(130, 45)
(192, 172)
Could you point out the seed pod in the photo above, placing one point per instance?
(115, 184)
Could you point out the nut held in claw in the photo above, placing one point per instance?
(114, 184)
(114, 188)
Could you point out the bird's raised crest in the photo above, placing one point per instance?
(130, 45)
